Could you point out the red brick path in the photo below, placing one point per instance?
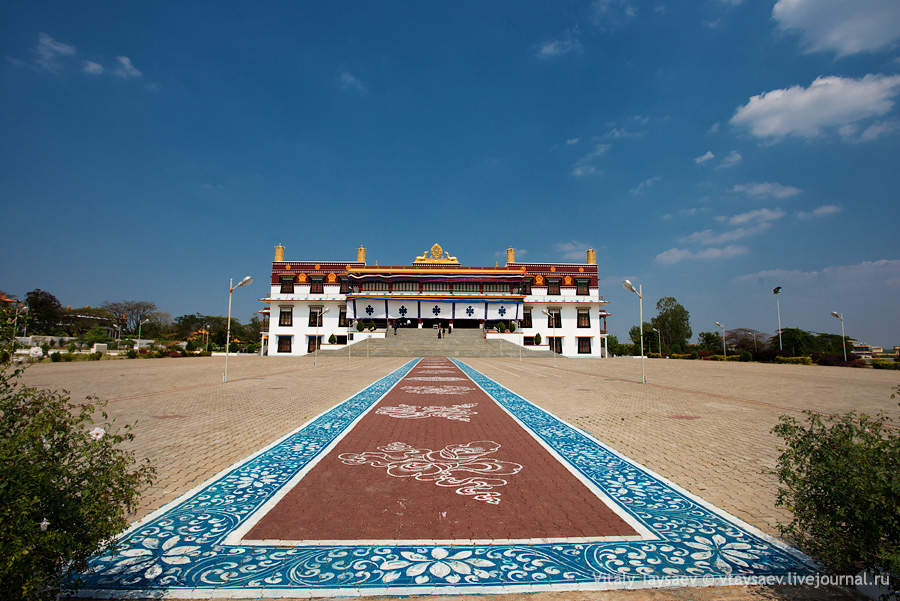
(358, 501)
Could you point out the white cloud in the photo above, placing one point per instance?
(573, 250)
(730, 160)
(840, 26)
(823, 211)
(619, 132)
(92, 68)
(876, 130)
(868, 275)
(583, 167)
(714, 128)
(564, 45)
(612, 14)
(766, 190)
(756, 216)
(704, 157)
(748, 224)
(572, 141)
(731, 2)
(645, 185)
(349, 81)
(676, 255)
(829, 102)
(125, 69)
(48, 51)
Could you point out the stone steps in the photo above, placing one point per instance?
(413, 342)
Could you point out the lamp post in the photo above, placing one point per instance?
(840, 316)
(640, 294)
(724, 350)
(776, 291)
(231, 288)
(658, 340)
(552, 321)
(206, 335)
(138, 341)
(319, 320)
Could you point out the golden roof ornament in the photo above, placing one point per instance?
(436, 255)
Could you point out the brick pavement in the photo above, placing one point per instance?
(704, 425)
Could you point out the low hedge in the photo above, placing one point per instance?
(683, 355)
(794, 360)
(885, 364)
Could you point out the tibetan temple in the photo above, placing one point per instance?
(549, 306)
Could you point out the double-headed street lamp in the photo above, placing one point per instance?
(231, 288)
(776, 291)
(640, 294)
(724, 351)
(137, 344)
(658, 340)
(840, 316)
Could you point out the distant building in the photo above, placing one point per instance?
(310, 301)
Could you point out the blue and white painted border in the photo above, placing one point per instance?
(180, 550)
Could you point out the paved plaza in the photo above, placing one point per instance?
(703, 426)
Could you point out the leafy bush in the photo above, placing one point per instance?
(55, 357)
(838, 478)
(45, 347)
(537, 339)
(746, 356)
(95, 356)
(716, 357)
(512, 326)
(67, 357)
(71, 348)
(371, 325)
(67, 487)
(683, 355)
(884, 364)
(131, 354)
(653, 356)
(360, 326)
(501, 327)
(794, 360)
(332, 339)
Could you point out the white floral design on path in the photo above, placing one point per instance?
(436, 378)
(448, 467)
(459, 413)
(425, 389)
(441, 565)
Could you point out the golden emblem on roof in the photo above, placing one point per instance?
(436, 255)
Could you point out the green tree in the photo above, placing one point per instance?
(635, 334)
(795, 342)
(45, 312)
(673, 322)
(710, 341)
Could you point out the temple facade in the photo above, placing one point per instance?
(545, 306)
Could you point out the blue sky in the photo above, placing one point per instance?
(708, 150)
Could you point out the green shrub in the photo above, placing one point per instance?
(131, 354)
(360, 326)
(746, 356)
(73, 487)
(68, 357)
(371, 325)
(95, 356)
(838, 477)
(683, 355)
(501, 327)
(332, 339)
(885, 364)
(794, 360)
(45, 347)
(71, 347)
(653, 356)
(537, 339)
(512, 326)
(55, 357)
(716, 357)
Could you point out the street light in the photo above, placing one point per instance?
(552, 321)
(319, 320)
(658, 340)
(840, 316)
(776, 291)
(138, 342)
(724, 351)
(640, 294)
(231, 288)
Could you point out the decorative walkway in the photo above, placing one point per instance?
(434, 479)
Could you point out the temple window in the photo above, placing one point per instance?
(526, 317)
(584, 318)
(581, 287)
(342, 316)
(317, 286)
(554, 318)
(553, 287)
(287, 284)
(284, 344)
(584, 345)
(286, 317)
(315, 317)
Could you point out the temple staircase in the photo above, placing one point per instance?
(413, 342)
